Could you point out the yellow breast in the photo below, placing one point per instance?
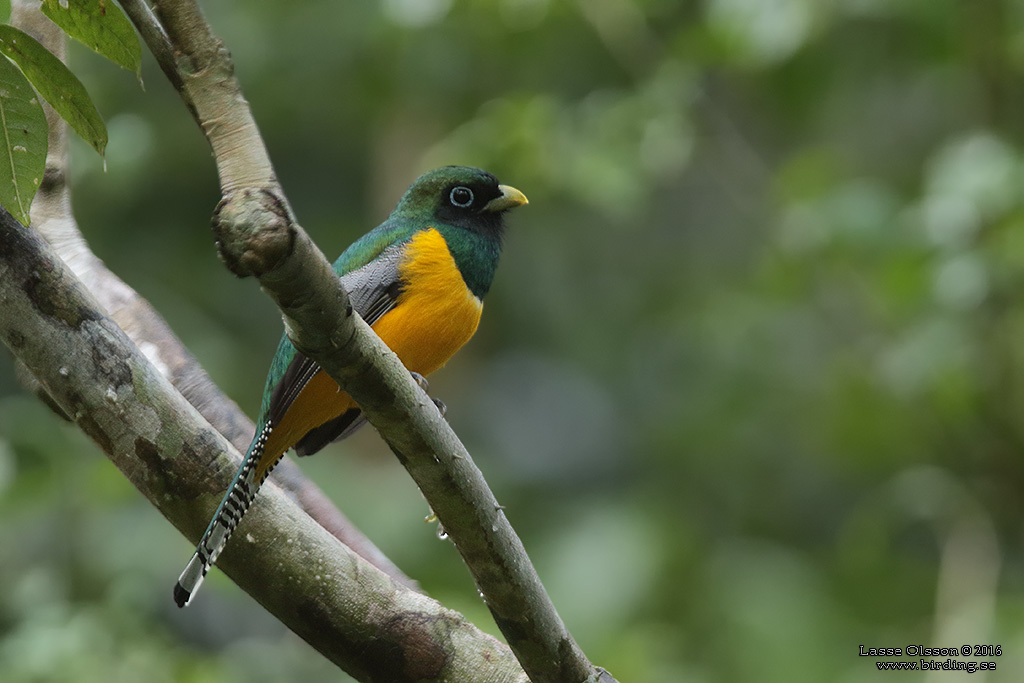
(436, 313)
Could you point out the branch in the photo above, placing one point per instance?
(52, 217)
(351, 612)
(258, 235)
(200, 68)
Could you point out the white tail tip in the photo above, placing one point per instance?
(190, 580)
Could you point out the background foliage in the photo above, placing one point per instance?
(750, 378)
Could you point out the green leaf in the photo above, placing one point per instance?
(102, 26)
(5, 11)
(56, 84)
(23, 149)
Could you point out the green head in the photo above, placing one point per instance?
(460, 197)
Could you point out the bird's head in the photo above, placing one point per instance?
(463, 197)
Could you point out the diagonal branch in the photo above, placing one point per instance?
(258, 235)
(52, 217)
(351, 612)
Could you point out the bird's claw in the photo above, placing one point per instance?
(441, 407)
(420, 380)
(425, 386)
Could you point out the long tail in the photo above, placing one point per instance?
(229, 513)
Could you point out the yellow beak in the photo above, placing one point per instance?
(509, 198)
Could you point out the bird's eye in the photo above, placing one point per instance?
(461, 197)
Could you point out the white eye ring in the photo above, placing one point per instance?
(466, 195)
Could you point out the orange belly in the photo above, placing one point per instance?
(436, 313)
(434, 316)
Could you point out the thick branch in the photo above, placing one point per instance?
(352, 613)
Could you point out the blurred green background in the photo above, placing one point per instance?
(751, 377)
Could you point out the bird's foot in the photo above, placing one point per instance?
(420, 380)
(425, 386)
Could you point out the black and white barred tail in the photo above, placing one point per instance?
(229, 513)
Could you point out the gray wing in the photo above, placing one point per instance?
(374, 288)
(372, 291)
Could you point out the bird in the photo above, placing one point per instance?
(419, 280)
